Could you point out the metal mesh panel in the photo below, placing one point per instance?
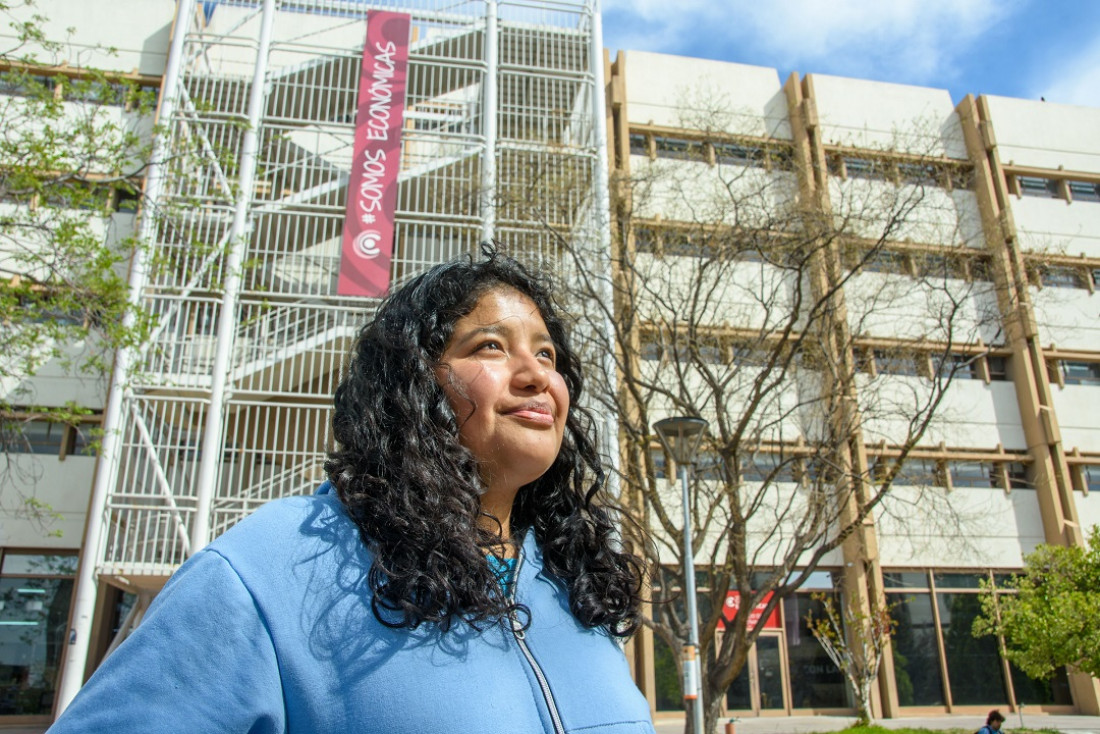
(273, 450)
(285, 331)
(150, 511)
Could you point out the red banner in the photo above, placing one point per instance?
(733, 603)
(367, 247)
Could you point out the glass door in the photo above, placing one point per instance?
(772, 694)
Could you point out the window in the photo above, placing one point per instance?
(41, 437)
(1016, 474)
(1056, 276)
(918, 173)
(896, 363)
(1081, 373)
(36, 589)
(1042, 187)
(645, 240)
(677, 148)
(660, 464)
(918, 472)
(762, 467)
(742, 155)
(1091, 476)
(976, 474)
(998, 367)
(974, 667)
(709, 466)
(1084, 191)
(956, 366)
(638, 144)
(862, 168)
(885, 261)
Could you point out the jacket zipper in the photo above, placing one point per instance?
(520, 635)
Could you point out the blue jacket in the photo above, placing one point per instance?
(269, 629)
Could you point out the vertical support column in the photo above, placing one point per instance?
(863, 585)
(85, 593)
(489, 123)
(1053, 481)
(212, 445)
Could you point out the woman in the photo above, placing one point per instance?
(456, 573)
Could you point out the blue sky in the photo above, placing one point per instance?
(1013, 48)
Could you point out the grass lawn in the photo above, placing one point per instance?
(882, 730)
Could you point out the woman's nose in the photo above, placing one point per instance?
(530, 373)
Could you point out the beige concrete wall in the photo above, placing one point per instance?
(676, 91)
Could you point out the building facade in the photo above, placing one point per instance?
(512, 122)
(960, 242)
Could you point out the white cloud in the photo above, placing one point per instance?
(1073, 80)
(915, 41)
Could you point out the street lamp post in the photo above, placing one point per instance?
(681, 437)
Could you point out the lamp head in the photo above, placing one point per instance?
(681, 437)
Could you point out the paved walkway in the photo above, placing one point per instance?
(794, 724)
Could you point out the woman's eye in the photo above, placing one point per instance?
(547, 354)
(489, 345)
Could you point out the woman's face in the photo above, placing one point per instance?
(498, 371)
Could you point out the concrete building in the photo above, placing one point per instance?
(962, 234)
(226, 406)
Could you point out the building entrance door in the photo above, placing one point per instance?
(771, 686)
(762, 687)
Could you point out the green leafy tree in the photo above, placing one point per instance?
(1053, 618)
(74, 144)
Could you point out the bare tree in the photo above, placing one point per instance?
(810, 331)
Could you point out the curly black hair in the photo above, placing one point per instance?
(413, 489)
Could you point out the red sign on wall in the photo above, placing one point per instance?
(367, 246)
(733, 603)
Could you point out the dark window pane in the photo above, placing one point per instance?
(815, 681)
(33, 564)
(1081, 373)
(973, 663)
(1030, 691)
(905, 580)
(667, 679)
(33, 622)
(769, 672)
(916, 660)
(976, 474)
(739, 694)
(958, 580)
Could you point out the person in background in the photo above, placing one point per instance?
(460, 570)
(992, 723)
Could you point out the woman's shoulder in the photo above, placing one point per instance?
(292, 530)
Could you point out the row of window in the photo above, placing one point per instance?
(914, 471)
(923, 173)
(937, 661)
(875, 362)
(1054, 188)
(1064, 276)
(129, 95)
(970, 266)
(49, 438)
(953, 366)
(673, 242)
(725, 152)
(775, 155)
(917, 264)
